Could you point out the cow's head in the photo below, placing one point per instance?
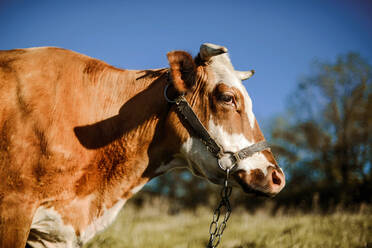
(215, 91)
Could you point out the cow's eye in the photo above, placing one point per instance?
(227, 98)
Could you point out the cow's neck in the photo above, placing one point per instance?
(130, 147)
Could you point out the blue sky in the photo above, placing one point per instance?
(279, 39)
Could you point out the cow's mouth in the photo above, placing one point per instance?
(249, 188)
(252, 191)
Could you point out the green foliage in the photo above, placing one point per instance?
(326, 137)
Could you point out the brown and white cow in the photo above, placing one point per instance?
(79, 137)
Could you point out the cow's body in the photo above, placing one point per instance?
(77, 138)
(54, 105)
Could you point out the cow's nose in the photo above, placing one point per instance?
(270, 183)
(275, 180)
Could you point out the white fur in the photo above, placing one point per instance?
(50, 230)
(200, 160)
(225, 73)
(136, 189)
(230, 142)
(236, 142)
(102, 222)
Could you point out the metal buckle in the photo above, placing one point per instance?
(237, 158)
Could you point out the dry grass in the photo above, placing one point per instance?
(153, 227)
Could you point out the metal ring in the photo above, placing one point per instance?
(234, 163)
(219, 164)
(234, 160)
(165, 95)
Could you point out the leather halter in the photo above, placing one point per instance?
(188, 114)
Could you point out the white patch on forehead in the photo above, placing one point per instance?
(236, 142)
(48, 230)
(224, 72)
(100, 223)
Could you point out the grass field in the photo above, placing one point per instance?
(153, 227)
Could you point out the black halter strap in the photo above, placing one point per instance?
(184, 108)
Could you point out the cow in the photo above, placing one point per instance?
(79, 137)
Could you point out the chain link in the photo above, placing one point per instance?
(216, 229)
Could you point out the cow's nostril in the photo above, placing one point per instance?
(275, 178)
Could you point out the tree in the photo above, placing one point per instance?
(327, 134)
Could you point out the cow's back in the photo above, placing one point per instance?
(40, 89)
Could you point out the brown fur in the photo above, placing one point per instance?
(183, 70)
(234, 114)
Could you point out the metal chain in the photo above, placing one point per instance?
(216, 229)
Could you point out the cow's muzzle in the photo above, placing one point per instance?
(258, 183)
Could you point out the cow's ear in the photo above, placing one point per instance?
(182, 70)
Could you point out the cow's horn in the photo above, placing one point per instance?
(244, 75)
(208, 50)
